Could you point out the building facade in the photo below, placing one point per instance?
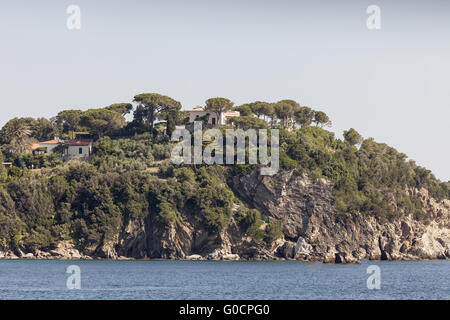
(46, 147)
(81, 149)
(212, 118)
(78, 149)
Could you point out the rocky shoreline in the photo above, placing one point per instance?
(46, 256)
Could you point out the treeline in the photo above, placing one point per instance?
(153, 114)
(18, 134)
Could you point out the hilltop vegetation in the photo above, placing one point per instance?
(131, 176)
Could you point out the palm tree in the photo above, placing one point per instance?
(15, 134)
(15, 129)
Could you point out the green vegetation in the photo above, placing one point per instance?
(152, 105)
(373, 179)
(352, 137)
(218, 106)
(131, 176)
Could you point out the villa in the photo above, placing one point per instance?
(212, 118)
(7, 165)
(46, 147)
(77, 149)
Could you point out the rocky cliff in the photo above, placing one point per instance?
(315, 231)
(312, 230)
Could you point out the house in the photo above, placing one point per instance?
(45, 147)
(7, 165)
(78, 149)
(72, 149)
(211, 117)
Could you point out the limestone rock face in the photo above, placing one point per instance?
(66, 250)
(8, 255)
(314, 230)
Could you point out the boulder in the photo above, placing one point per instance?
(302, 248)
(194, 257)
(231, 256)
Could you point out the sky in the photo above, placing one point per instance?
(392, 84)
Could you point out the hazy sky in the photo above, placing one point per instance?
(392, 84)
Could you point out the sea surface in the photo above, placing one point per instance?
(117, 280)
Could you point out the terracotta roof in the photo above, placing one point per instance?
(50, 142)
(78, 143)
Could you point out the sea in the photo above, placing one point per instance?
(222, 280)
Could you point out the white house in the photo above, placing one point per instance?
(78, 149)
(197, 113)
(7, 164)
(46, 147)
(73, 149)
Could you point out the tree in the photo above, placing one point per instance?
(218, 106)
(285, 110)
(321, 119)
(69, 120)
(244, 110)
(179, 117)
(40, 129)
(173, 118)
(248, 122)
(258, 107)
(295, 105)
(151, 104)
(171, 123)
(121, 108)
(15, 129)
(102, 121)
(140, 114)
(15, 135)
(352, 137)
(267, 110)
(43, 129)
(304, 116)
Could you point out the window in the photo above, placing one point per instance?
(80, 151)
(213, 120)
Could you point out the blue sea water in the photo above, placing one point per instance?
(117, 280)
